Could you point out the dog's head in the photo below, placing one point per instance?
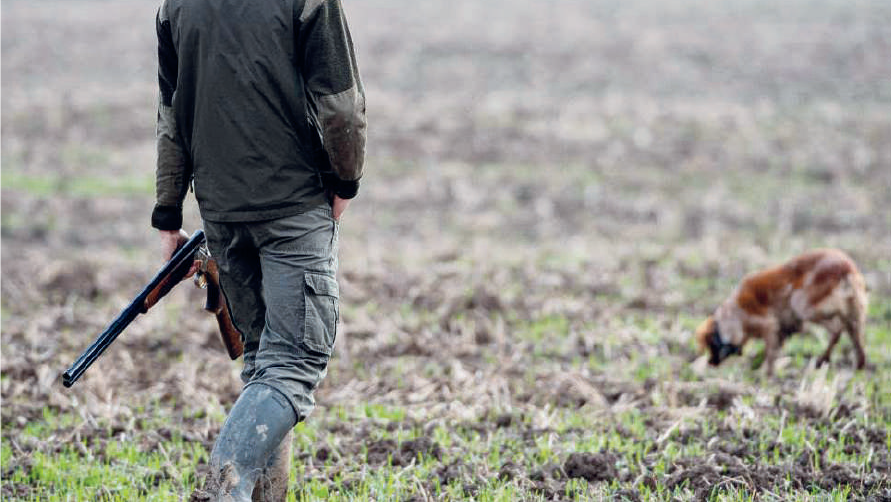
(708, 337)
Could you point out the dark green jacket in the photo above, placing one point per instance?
(261, 103)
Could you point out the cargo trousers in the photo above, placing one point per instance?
(278, 277)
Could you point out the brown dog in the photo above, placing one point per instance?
(822, 286)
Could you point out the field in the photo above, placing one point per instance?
(557, 193)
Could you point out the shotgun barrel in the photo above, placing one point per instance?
(169, 276)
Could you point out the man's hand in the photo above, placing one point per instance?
(171, 240)
(338, 206)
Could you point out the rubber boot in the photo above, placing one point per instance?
(253, 432)
(273, 483)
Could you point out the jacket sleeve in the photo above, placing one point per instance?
(173, 171)
(334, 89)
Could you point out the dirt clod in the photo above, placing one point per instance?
(591, 466)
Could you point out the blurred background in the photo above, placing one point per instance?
(556, 193)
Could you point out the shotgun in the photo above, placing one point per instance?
(171, 274)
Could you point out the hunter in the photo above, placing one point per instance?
(262, 114)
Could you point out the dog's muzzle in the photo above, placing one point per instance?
(721, 350)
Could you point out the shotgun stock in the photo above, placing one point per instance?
(216, 304)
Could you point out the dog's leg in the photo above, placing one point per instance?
(855, 331)
(856, 325)
(771, 347)
(833, 339)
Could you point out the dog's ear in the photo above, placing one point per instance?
(704, 333)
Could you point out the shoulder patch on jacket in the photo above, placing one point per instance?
(163, 14)
(309, 8)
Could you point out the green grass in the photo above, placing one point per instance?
(111, 466)
(121, 470)
(543, 329)
(47, 185)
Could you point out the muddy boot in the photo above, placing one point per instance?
(254, 430)
(273, 483)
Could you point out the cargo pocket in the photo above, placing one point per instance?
(321, 312)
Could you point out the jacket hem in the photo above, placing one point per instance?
(261, 214)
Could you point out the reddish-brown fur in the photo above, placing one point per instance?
(826, 278)
(823, 287)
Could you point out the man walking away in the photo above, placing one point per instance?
(262, 113)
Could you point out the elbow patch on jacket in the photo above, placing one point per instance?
(166, 121)
(171, 178)
(342, 117)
